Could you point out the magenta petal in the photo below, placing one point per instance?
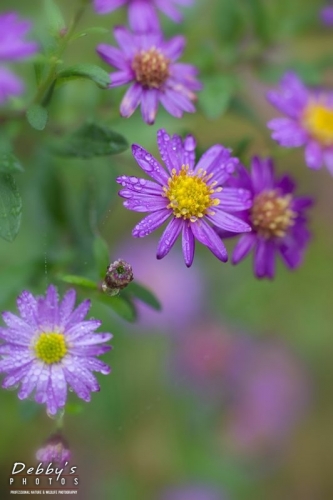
(150, 223)
(208, 237)
(313, 155)
(149, 105)
(174, 48)
(169, 237)
(150, 165)
(112, 56)
(243, 247)
(131, 100)
(142, 16)
(125, 40)
(188, 244)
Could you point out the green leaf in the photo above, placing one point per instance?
(217, 94)
(73, 279)
(144, 294)
(37, 116)
(260, 19)
(94, 30)
(120, 305)
(9, 164)
(54, 16)
(90, 71)
(91, 140)
(10, 208)
(102, 257)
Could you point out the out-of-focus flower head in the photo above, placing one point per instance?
(181, 293)
(142, 13)
(309, 120)
(13, 47)
(50, 346)
(326, 15)
(270, 396)
(277, 219)
(55, 450)
(192, 195)
(148, 63)
(193, 492)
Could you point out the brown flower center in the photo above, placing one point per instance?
(151, 68)
(271, 214)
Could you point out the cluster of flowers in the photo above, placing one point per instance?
(149, 62)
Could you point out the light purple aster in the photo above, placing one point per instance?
(50, 346)
(142, 13)
(326, 15)
(277, 218)
(55, 450)
(149, 64)
(13, 47)
(191, 195)
(309, 120)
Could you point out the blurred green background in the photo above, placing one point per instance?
(160, 422)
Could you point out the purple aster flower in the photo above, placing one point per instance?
(149, 64)
(13, 47)
(191, 195)
(142, 13)
(326, 15)
(309, 120)
(55, 450)
(50, 346)
(277, 218)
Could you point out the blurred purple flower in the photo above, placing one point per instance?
(13, 47)
(270, 395)
(193, 492)
(55, 450)
(149, 64)
(277, 218)
(142, 13)
(181, 293)
(309, 120)
(191, 195)
(326, 15)
(49, 346)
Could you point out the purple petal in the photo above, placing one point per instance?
(302, 203)
(42, 384)
(328, 159)
(183, 102)
(106, 6)
(228, 222)
(217, 161)
(262, 174)
(149, 165)
(170, 105)
(287, 132)
(174, 48)
(234, 199)
(125, 40)
(243, 247)
(169, 10)
(22, 329)
(10, 85)
(59, 385)
(142, 16)
(30, 380)
(286, 184)
(150, 223)
(264, 258)
(27, 306)
(208, 237)
(313, 155)
(142, 202)
(112, 56)
(149, 105)
(138, 185)
(167, 151)
(292, 96)
(66, 306)
(81, 329)
(131, 100)
(188, 244)
(169, 237)
(121, 78)
(78, 314)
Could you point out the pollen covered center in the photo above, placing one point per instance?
(51, 347)
(151, 68)
(318, 120)
(190, 194)
(271, 214)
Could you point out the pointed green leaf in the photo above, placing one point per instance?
(54, 16)
(144, 294)
(9, 164)
(37, 116)
(90, 71)
(91, 140)
(102, 257)
(78, 280)
(120, 305)
(10, 207)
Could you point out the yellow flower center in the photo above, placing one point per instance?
(190, 194)
(151, 68)
(51, 347)
(318, 120)
(271, 214)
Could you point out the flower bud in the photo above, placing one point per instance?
(118, 275)
(55, 450)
